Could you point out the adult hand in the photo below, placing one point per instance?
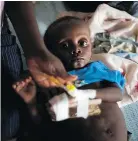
(40, 61)
(43, 66)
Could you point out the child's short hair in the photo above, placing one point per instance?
(67, 20)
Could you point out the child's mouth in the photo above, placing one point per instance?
(78, 62)
(77, 59)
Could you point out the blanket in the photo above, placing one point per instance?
(112, 30)
(130, 71)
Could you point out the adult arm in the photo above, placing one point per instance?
(39, 60)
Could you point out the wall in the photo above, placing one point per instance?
(46, 12)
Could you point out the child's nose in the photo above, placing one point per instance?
(77, 51)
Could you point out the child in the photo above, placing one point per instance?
(69, 39)
(73, 47)
(109, 126)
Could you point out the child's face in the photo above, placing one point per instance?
(73, 46)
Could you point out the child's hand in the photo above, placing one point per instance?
(93, 108)
(61, 103)
(26, 90)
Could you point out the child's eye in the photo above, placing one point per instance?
(65, 45)
(83, 43)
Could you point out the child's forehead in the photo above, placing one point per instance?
(67, 25)
(70, 26)
(76, 30)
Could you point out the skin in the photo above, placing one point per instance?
(34, 43)
(73, 47)
(66, 46)
(39, 60)
(108, 126)
(26, 89)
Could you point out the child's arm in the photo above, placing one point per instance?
(109, 94)
(106, 91)
(34, 113)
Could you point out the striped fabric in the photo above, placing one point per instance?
(10, 125)
(11, 60)
(11, 68)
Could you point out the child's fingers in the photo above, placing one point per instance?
(73, 105)
(30, 78)
(72, 100)
(22, 83)
(27, 80)
(14, 86)
(20, 86)
(95, 102)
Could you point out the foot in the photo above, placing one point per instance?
(26, 89)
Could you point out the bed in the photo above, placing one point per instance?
(113, 50)
(114, 35)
